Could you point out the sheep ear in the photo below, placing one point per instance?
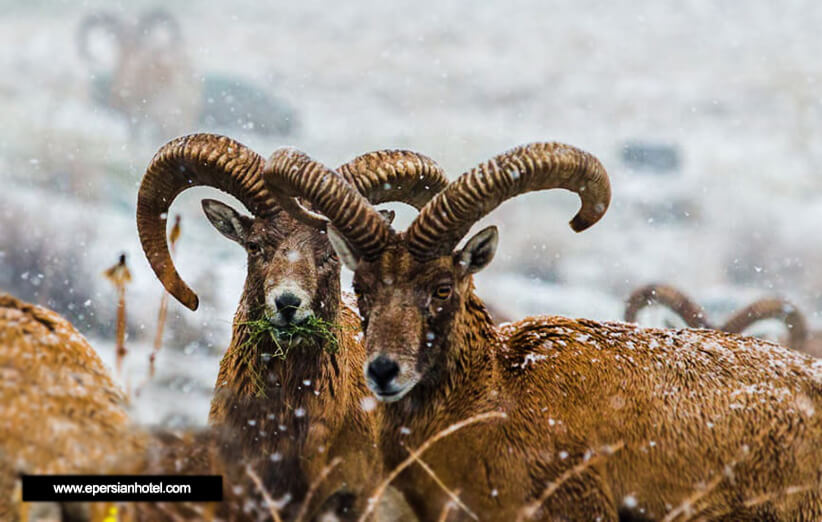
(226, 220)
(348, 256)
(479, 251)
(388, 215)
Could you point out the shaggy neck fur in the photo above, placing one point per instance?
(270, 408)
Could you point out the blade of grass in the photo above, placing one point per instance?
(313, 489)
(162, 313)
(120, 276)
(378, 493)
(258, 483)
(453, 495)
(529, 510)
(446, 509)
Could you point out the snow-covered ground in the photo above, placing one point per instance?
(734, 87)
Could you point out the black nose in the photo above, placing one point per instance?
(287, 305)
(383, 370)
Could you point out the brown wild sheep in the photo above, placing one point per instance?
(603, 420)
(292, 414)
(695, 317)
(61, 412)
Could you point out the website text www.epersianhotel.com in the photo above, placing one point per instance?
(122, 488)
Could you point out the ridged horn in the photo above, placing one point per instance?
(771, 308)
(445, 220)
(289, 174)
(395, 175)
(690, 312)
(190, 161)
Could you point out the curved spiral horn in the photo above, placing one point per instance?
(289, 174)
(445, 220)
(771, 308)
(189, 161)
(159, 18)
(395, 175)
(102, 20)
(690, 312)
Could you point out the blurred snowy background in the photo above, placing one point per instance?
(707, 115)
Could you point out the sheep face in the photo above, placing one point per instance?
(293, 273)
(410, 308)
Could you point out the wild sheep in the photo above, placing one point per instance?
(292, 415)
(61, 412)
(695, 316)
(603, 420)
(153, 84)
(59, 408)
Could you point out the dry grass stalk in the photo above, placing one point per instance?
(120, 276)
(764, 498)
(168, 511)
(272, 510)
(23, 509)
(446, 509)
(158, 337)
(529, 510)
(210, 512)
(686, 507)
(313, 488)
(767, 497)
(378, 493)
(173, 236)
(453, 495)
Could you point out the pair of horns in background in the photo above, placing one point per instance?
(695, 316)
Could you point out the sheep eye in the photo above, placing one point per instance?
(442, 291)
(253, 247)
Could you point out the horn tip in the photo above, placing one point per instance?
(579, 223)
(189, 300)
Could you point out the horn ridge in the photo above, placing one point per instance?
(289, 173)
(395, 175)
(538, 166)
(185, 162)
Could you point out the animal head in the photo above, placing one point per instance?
(293, 272)
(411, 306)
(415, 287)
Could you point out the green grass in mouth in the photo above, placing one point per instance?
(284, 337)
